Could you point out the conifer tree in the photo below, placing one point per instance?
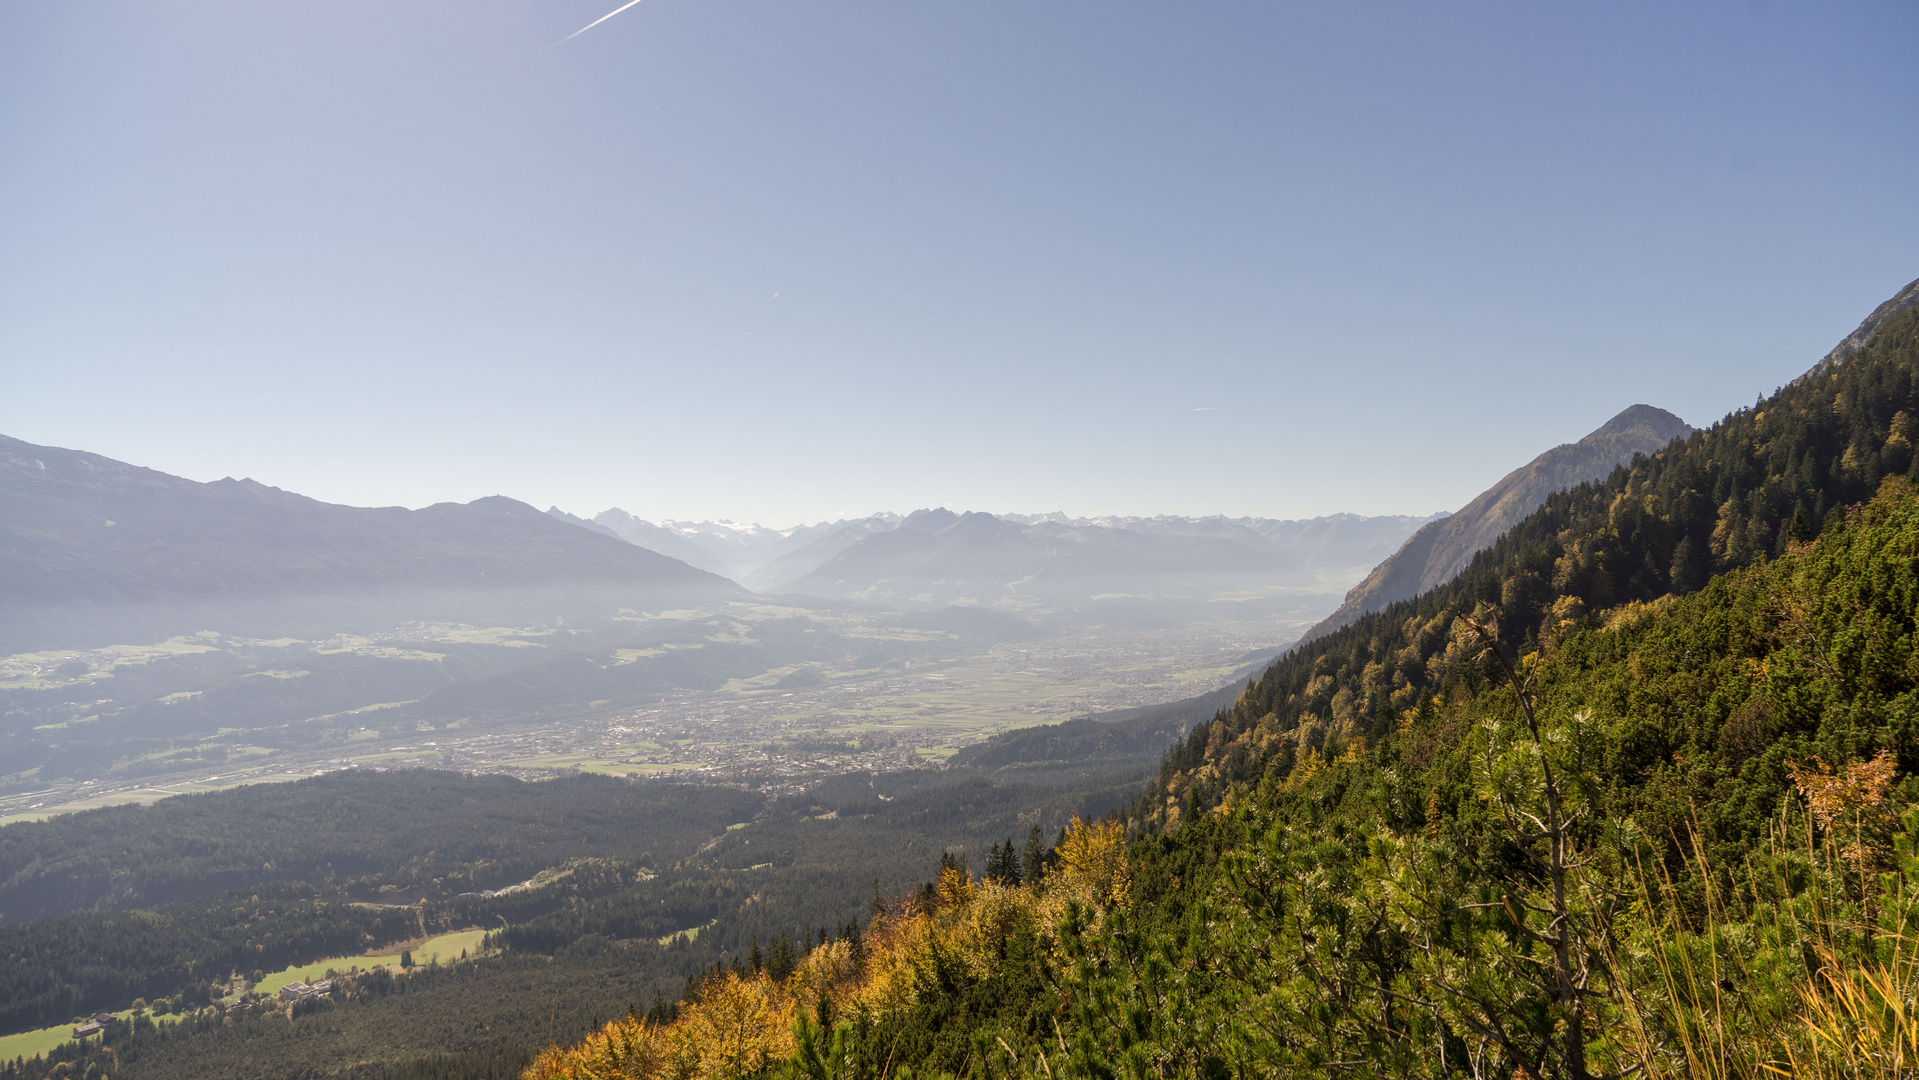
(1033, 859)
(780, 959)
(1003, 864)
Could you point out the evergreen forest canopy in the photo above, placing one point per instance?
(640, 884)
(335, 833)
(1631, 796)
(1725, 499)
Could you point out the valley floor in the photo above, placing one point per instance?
(773, 728)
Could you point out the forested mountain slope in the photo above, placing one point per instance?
(1438, 552)
(640, 885)
(1591, 810)
(1725, 498)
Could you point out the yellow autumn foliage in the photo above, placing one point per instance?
(829, 970)
(740, 1026)
(626, 1049)
(898, 950)
(976, 932)
(743, 1024)
(1092, 871)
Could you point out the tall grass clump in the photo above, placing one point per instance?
(1805, 963)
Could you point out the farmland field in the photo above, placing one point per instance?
(891, 696)
(446, 948)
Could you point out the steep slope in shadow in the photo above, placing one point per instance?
(1127, 744)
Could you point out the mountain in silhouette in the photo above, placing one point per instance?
(96, 551)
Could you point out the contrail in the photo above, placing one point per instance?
(593, 24)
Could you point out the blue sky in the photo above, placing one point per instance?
(789, 261)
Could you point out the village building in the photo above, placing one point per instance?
(299, 991)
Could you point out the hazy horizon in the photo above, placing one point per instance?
(778, 264)
(956, 509)
(1270, 285)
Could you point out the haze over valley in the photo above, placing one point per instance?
(990, 541)
(933, 679)
(169, 636)
(168, 633)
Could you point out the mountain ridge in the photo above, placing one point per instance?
(1900, 302)
(1439, 551)
(88, 542)
(1333, 548)
(937, 556)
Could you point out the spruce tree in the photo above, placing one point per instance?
(780, 960)
(1003, 864)
(1034, 858)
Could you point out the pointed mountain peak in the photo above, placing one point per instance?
(556, 512)
(1663, 425)
(929, 520)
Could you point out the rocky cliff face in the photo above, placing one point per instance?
(1438, 552)
(1906, 299)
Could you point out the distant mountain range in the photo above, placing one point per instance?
(1438, 552)
(753, 555)
(151, 624)
(937, 556)
(1333, 546)
(95, 551)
